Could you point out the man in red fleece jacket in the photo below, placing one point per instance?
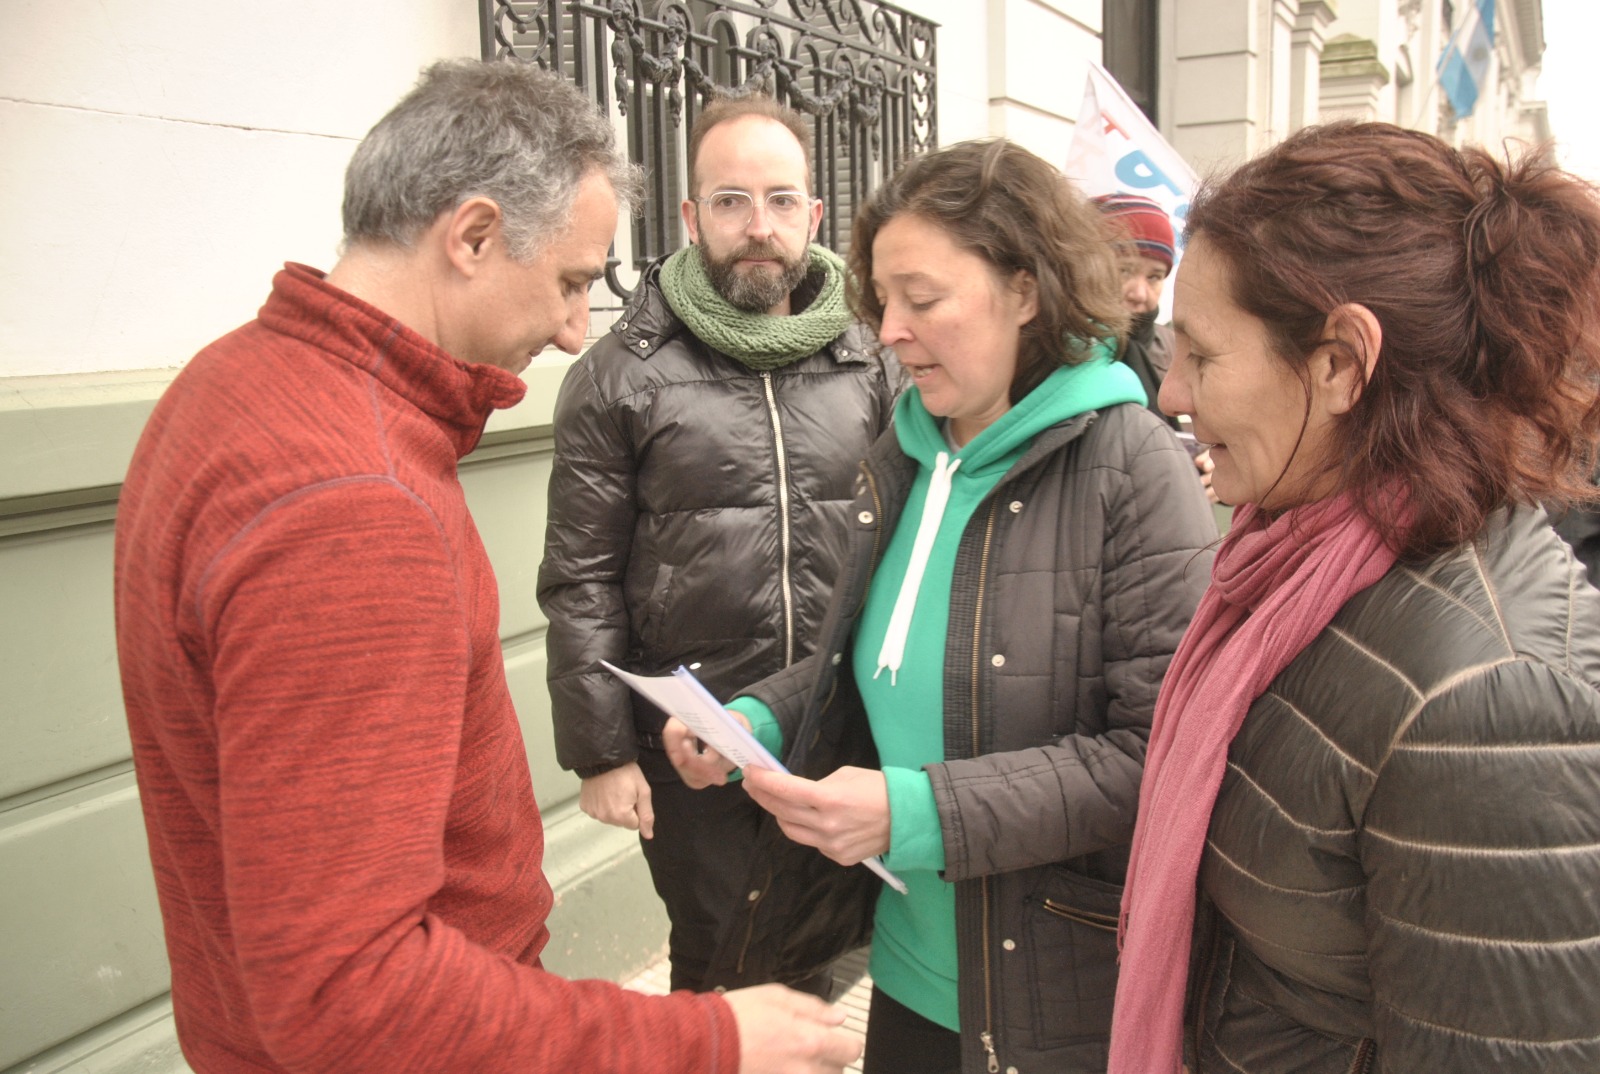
(337, 797)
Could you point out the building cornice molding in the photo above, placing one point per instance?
(1312, 21)
(1351, 58)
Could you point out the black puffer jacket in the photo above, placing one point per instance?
(1073, 582)
(1148, 352)
(696, 514)
(1403, 869)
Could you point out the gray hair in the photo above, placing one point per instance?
(504, 130)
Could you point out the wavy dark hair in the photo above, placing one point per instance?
(1485, 277)
(1017, 212)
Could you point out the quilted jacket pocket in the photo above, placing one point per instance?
(1072, 952)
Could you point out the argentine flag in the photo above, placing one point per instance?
(1463, 69)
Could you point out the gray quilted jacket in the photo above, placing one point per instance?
(1403, 868)
(1073, 583)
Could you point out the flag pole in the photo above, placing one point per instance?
(1474, 15)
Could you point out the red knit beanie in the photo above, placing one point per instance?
(1146, 223)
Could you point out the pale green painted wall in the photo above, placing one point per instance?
(85, 979)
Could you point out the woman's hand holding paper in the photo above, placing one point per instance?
(845, 815)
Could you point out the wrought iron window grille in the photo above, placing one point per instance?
(863, 71)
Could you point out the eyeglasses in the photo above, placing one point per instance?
(733, 209)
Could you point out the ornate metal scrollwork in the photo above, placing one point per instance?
(863, 70)
(630, 52)
(521, 29)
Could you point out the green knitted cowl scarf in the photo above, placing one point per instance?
(757, 340)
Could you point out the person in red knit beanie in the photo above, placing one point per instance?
(341, 818)
(1147, 248)
(1145, 228)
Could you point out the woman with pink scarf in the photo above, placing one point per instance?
(1369, 825)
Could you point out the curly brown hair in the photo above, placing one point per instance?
(1485, 277)
(1017, 212)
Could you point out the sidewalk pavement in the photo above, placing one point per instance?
(855, 1000)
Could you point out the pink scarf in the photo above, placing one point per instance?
(1274, 586)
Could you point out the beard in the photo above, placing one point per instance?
(755, 290)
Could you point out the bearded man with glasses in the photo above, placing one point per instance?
(706, 452)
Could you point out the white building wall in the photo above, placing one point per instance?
(1407, 38)
(963, 44)
(1038, 61)
(1276, 69)
(1238, 75)
(1377, 21)
(1217, 117)
(163, 157)
(161, 161)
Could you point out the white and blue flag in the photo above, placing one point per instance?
(1115, 149)
(1465, 64)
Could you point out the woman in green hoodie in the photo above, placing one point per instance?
(1029, 543)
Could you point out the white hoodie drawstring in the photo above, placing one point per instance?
(894, 639)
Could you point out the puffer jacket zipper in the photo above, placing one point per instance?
(785, 582)
(987, 1036)
(1366, 1052)
(1103, 922)
(787, 593)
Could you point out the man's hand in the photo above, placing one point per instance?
(782, 1031)
(1203, 463)
(846, 815)
(620, 797)
(698, 765)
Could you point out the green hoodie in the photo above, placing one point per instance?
(914, 941)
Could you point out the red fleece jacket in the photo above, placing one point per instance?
(335, 787)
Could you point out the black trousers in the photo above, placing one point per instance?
(698, 862)
(901, 1041)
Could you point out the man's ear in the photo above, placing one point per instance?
(691, 220)
(816, 219)
(470, 231)
(1345, 363)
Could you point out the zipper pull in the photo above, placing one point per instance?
(988, 1046)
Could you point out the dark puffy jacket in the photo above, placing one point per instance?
(1073, 583)
(696, 514)
(1147, 350)
(1403, 869)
